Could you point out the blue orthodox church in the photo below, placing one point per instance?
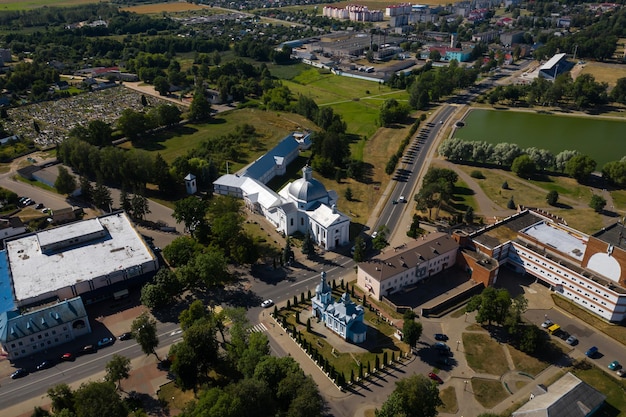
(343, 317)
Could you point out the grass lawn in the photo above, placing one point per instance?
(548, 131)
(604, 72)
(159, 8)
(582, 218)
(33, 4)
(619, 199)
(174, 396)
(448, 397)
(526, 363)
(488, 392)
(483, 354)
(271, 127)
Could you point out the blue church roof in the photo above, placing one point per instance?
(265, 163)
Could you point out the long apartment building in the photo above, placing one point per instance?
(589, 270)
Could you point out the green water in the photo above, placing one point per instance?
(603, 140)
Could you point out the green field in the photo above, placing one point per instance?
(600, 138)
(357, 101)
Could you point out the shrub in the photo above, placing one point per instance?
(477, 174)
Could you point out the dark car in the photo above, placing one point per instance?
(19, 373)
(591, 352)
(45, 365)
(105, 342)
(441, 336)
(125, 336)
(88, 349)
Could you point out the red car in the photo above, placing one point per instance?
(435, 377)
(67, 357)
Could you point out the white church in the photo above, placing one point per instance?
(303, 205)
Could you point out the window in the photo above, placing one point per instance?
(302, 221)
(292, 222)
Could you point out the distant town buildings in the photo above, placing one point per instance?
(353, 12)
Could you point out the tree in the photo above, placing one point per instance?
(580, 167)
(182, 250)
(200, 108)
(161, 174)
(597, 203)
(96, 399)
(162, 85)
(191, 211)
(552, 197)
(144, 330)
(308, 247)
(523, 166)
(287, 255)
(415, 396)
(434, 55)
(411, 330)
(117, 368)
(359, 249)
(379, 242)
(493, 305)
(62, 398)
(133, 123)
(154, 296)
(101, 196)
(40, 412)
(65, 182)
(86, 190)
(140, 206)
(348, 194)
(511, 204)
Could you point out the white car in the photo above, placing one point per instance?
(571, 340)
(267, 303)
(547, 324)
(402, 199)
(374, 235)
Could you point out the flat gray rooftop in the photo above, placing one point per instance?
(566, 242)
(34, 272)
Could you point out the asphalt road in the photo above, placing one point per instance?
(84, 367)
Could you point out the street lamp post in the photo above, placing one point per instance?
(457, 345)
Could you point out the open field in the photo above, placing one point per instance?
(608, 385)
(483, 354)
(488, 392)
(357, 101)
(581, 217)
(158, 8)
(271, 126)
(604, 72)
(553, 132)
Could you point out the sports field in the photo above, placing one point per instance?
(600, 138)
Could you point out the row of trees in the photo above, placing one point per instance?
(523, 162)
(584, 92)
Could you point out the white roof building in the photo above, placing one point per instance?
(76, 258)
(302, 205)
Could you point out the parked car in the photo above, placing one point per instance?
(591, 352)
(19, 373)
(547, 323)
(125, 336)
(68, 357)
(105, 342)
(39, 206)
(267, 303)
(435, 377)
(88, 349)
(613, 366)
(571, 340)
(45, 365)
(441, 336)
(621, 372)
(374, 235)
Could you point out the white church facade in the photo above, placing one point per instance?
(303, 205)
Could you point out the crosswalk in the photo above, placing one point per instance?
(258, 328)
